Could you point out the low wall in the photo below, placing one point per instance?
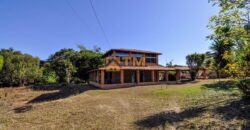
(112, 86)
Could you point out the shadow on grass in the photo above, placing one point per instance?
(171, 117)
(236, 109)
(188, 81)
(47, 87)
(221, 85)
(23, 109)
(63, 92)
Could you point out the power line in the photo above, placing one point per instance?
(78, 15)
(99, 22)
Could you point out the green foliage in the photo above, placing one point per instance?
(19, 68)
(221, 54)
(172, 75)
(49, 76)
(66, 65)
(62, 63)
(71, 65)
(195, 62)
(243, 58)
(231, 4)
(88, 60)
(231, 37)
(1, 62)
(244, 86)
(170, 64)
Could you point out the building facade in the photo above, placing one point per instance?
(128, 67)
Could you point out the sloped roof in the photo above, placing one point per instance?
(131, 50)
(146, 68)
(161, 68)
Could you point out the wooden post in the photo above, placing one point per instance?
(137, 76)
(122, 76)
(102, 77)
(153, 75)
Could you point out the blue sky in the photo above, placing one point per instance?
(42, 27)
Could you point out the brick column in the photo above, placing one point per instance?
(178, 75)
(137, 76)
(122, 76)
(166, 75)
(97, 76)
(157, 76)
(153, 75)
(102, 77)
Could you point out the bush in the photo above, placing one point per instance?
(172, 75)
(49, 77)
(244, 86)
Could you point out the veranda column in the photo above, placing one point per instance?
(102, 76)
(137, 76)
(166, 75)
(157, 76)
(122, 76)
(153, 75)
(94, 76)
(178, 75)
(97, 76)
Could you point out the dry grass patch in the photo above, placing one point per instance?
(197, 105)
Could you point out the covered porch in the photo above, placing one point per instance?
(125, 77)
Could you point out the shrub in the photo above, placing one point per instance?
(172, 75)
(244, 86)
(49, 77)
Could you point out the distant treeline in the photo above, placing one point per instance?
(65, 66)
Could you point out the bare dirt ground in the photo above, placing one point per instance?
(203, 104)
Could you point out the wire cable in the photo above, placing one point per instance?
(99, 22)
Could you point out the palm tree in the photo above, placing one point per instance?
(219, 48)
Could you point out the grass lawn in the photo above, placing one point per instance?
(204, 104)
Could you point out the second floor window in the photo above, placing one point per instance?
(121, 54)
(151, 58)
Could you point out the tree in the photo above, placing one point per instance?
(231, 28)
(71, 65)
(1, 63)
(195, 62)
(18, 68)
(218, 52)
(88, 60)
(49, 75)
(170, 64)
(62, 62)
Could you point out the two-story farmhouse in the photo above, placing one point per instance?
(129, 67)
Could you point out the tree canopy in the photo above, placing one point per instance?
(1, 62)
(195, 62)
(231, 37)
(19, 68)
(64, 66)
(71, 65)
